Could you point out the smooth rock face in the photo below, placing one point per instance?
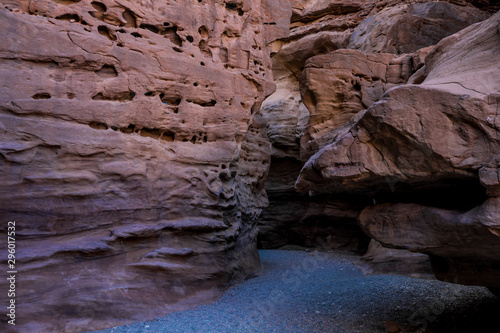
(132, 155)
(428, 151)
(407, 28)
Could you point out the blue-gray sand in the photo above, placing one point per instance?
(302, 291)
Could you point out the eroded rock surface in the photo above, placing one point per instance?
(328, 69)
(132, 153)
(337, 85)
(427, 154)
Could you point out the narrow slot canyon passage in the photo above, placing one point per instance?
(216, 166)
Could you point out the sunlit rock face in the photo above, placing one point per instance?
(339, 59)
(132, 155)
(427, 153)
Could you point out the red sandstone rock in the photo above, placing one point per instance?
(407, 28)
(334, 87)
(132, 155)
(337, 85)
(424, 149)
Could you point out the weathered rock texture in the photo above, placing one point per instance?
(339, 59)
(427, 153)
(132, 156)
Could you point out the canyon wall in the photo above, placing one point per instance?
(132, 153)
(135, 141)
(413, 129)
(340, 58)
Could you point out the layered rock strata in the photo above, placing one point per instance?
(132, 155)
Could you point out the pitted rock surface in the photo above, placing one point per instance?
(132, 153)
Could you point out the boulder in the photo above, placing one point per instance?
(406, 28)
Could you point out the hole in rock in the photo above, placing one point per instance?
(107, 72)
(99, 6)
(125, 96)
(170, 100)
(99, 97)
(168, 136)
(171, 34)
(136, 34)
(69, 17)
(150, 133)
(203, 31)
(149, 27)
(235, 7)
(190, 39)
(98, 126)
(103, 30)
(223, 176)
(203, 103)
(129, 18)
(41, 96)
(205, 48)
(129, 130)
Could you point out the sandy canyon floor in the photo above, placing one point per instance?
(300, 291)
